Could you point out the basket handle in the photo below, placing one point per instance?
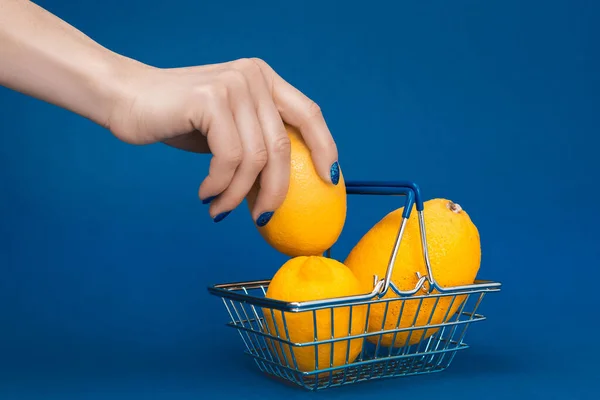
(413, 197)
(407, 188)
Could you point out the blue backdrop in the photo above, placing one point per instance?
(106, 252)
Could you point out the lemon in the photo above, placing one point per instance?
(313, 214)
(454, 250)
(306, 278)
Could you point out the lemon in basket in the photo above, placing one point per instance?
(454, 252)
(306, 278)
(312, 216)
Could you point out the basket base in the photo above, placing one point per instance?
(370, 370)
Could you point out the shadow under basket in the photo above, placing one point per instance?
(383, 334)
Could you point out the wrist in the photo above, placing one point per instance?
(110, 84)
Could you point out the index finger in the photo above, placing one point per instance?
(298, 110)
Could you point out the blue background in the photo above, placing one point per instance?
(106, 252)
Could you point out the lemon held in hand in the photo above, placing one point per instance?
(315, 278)
(455, 255)
(312, 216)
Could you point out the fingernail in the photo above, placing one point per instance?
(221, 216)
(208, 199)
(264, 218)
(334, 171)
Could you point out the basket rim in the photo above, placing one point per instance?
(231, 291)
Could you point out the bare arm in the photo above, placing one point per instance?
(46, 58)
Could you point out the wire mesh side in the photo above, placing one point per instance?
(345, 344)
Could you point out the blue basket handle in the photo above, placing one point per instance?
(409, 189)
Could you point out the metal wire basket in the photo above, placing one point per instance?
(430, 321)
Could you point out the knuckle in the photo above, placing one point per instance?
(313, 110)
(258, 62)
(260, 158)
(216, 92)
(246, 64)
(234, 157)
(250, 68)
(234, 79)
(282, 145)
(242, 63)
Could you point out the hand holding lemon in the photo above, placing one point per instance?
(311, 217)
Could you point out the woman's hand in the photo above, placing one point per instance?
(233, 110)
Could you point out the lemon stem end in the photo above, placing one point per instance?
(454, 207)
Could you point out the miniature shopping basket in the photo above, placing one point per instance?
(424, 327)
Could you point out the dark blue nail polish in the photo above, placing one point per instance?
(208, 199)
(334, 171)
(264, 218)
(221, 216)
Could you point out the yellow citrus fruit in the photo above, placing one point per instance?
(454, 252)
(306, 278)
(312, 216)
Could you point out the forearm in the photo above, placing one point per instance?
(44, 57)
